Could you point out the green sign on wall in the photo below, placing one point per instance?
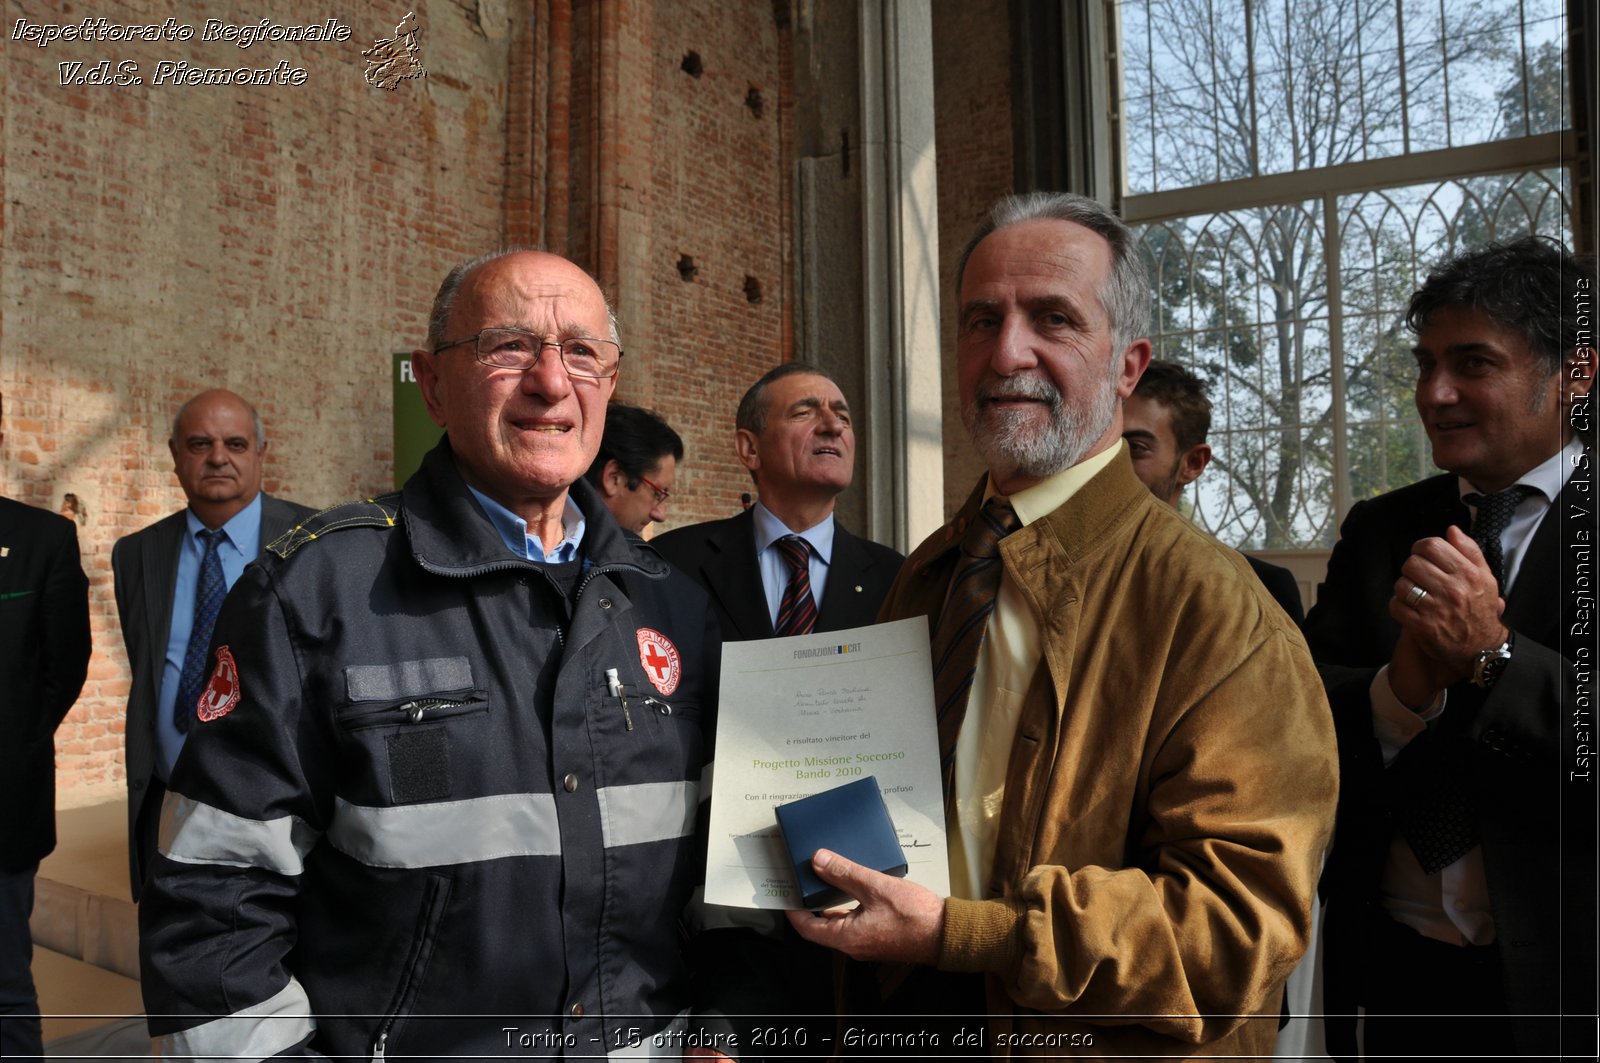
(414, 431)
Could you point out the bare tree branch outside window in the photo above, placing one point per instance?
(1291, 95)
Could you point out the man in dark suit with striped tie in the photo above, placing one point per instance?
(786, 565)
(170, 579)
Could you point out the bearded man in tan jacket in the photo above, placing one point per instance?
(1141, 781)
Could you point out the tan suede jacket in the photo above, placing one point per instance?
(1170, 793)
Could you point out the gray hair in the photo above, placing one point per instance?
(1125, 296)
(445, 301)
(752, 412)
(255, 420)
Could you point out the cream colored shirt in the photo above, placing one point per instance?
(1007, 659)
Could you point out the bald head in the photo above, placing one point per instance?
(444, 302)
(519, 435)
(217, 444)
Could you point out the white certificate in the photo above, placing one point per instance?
(804, 714)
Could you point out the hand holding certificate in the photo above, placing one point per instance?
(805, 714)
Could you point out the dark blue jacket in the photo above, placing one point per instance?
(418, 810)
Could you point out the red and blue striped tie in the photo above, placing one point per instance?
(797, 613)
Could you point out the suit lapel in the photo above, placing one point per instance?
(276, 518)
(841, 604)
(1429, 518)
(733, 577)
(1437, 517)
(1528, 605)
(160, 564)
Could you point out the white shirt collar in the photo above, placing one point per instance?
(1548, 477)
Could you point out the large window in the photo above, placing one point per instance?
(1295, 167)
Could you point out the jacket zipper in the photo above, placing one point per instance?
(577, 595)
(437, 896)
(417, 708)
(411, 711)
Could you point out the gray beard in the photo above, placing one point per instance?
(1013, 444)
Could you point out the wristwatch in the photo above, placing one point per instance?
(1488, 664)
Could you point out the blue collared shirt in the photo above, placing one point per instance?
(775, 571)
(514, 531)
(240, 544)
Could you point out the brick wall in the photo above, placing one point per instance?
(277, 240)
(972, 94)
(283, 240)
(633, 163)
(719, 194)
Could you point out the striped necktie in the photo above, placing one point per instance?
(797, 613)
(962, 622)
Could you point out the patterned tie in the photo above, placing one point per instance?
(962, 622)
(1438, 823)
(1438, 820)
(208, 595)
(1494, 513)
(797, 613)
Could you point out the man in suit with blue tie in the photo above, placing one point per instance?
(786, 566)
(170, 579)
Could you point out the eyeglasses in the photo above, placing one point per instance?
(519, 349)
(662, 494)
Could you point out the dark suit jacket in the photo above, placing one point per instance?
(721, 556)
(1280, 583)
(1517, 745)
(144, 567)
(44, 656)
(760, 976)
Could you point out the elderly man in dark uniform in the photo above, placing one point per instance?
(441, 796)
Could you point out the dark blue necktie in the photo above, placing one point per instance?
(208, 595)
(1442, 827)
(1494, 513)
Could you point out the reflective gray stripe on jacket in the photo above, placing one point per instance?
(257, 1032)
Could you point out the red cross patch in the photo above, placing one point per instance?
(660, 659)
(222, 693)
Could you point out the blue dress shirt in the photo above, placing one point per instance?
(775, 570)
(240, 544)
(514, 531)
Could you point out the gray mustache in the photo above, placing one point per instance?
(1018, 387)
